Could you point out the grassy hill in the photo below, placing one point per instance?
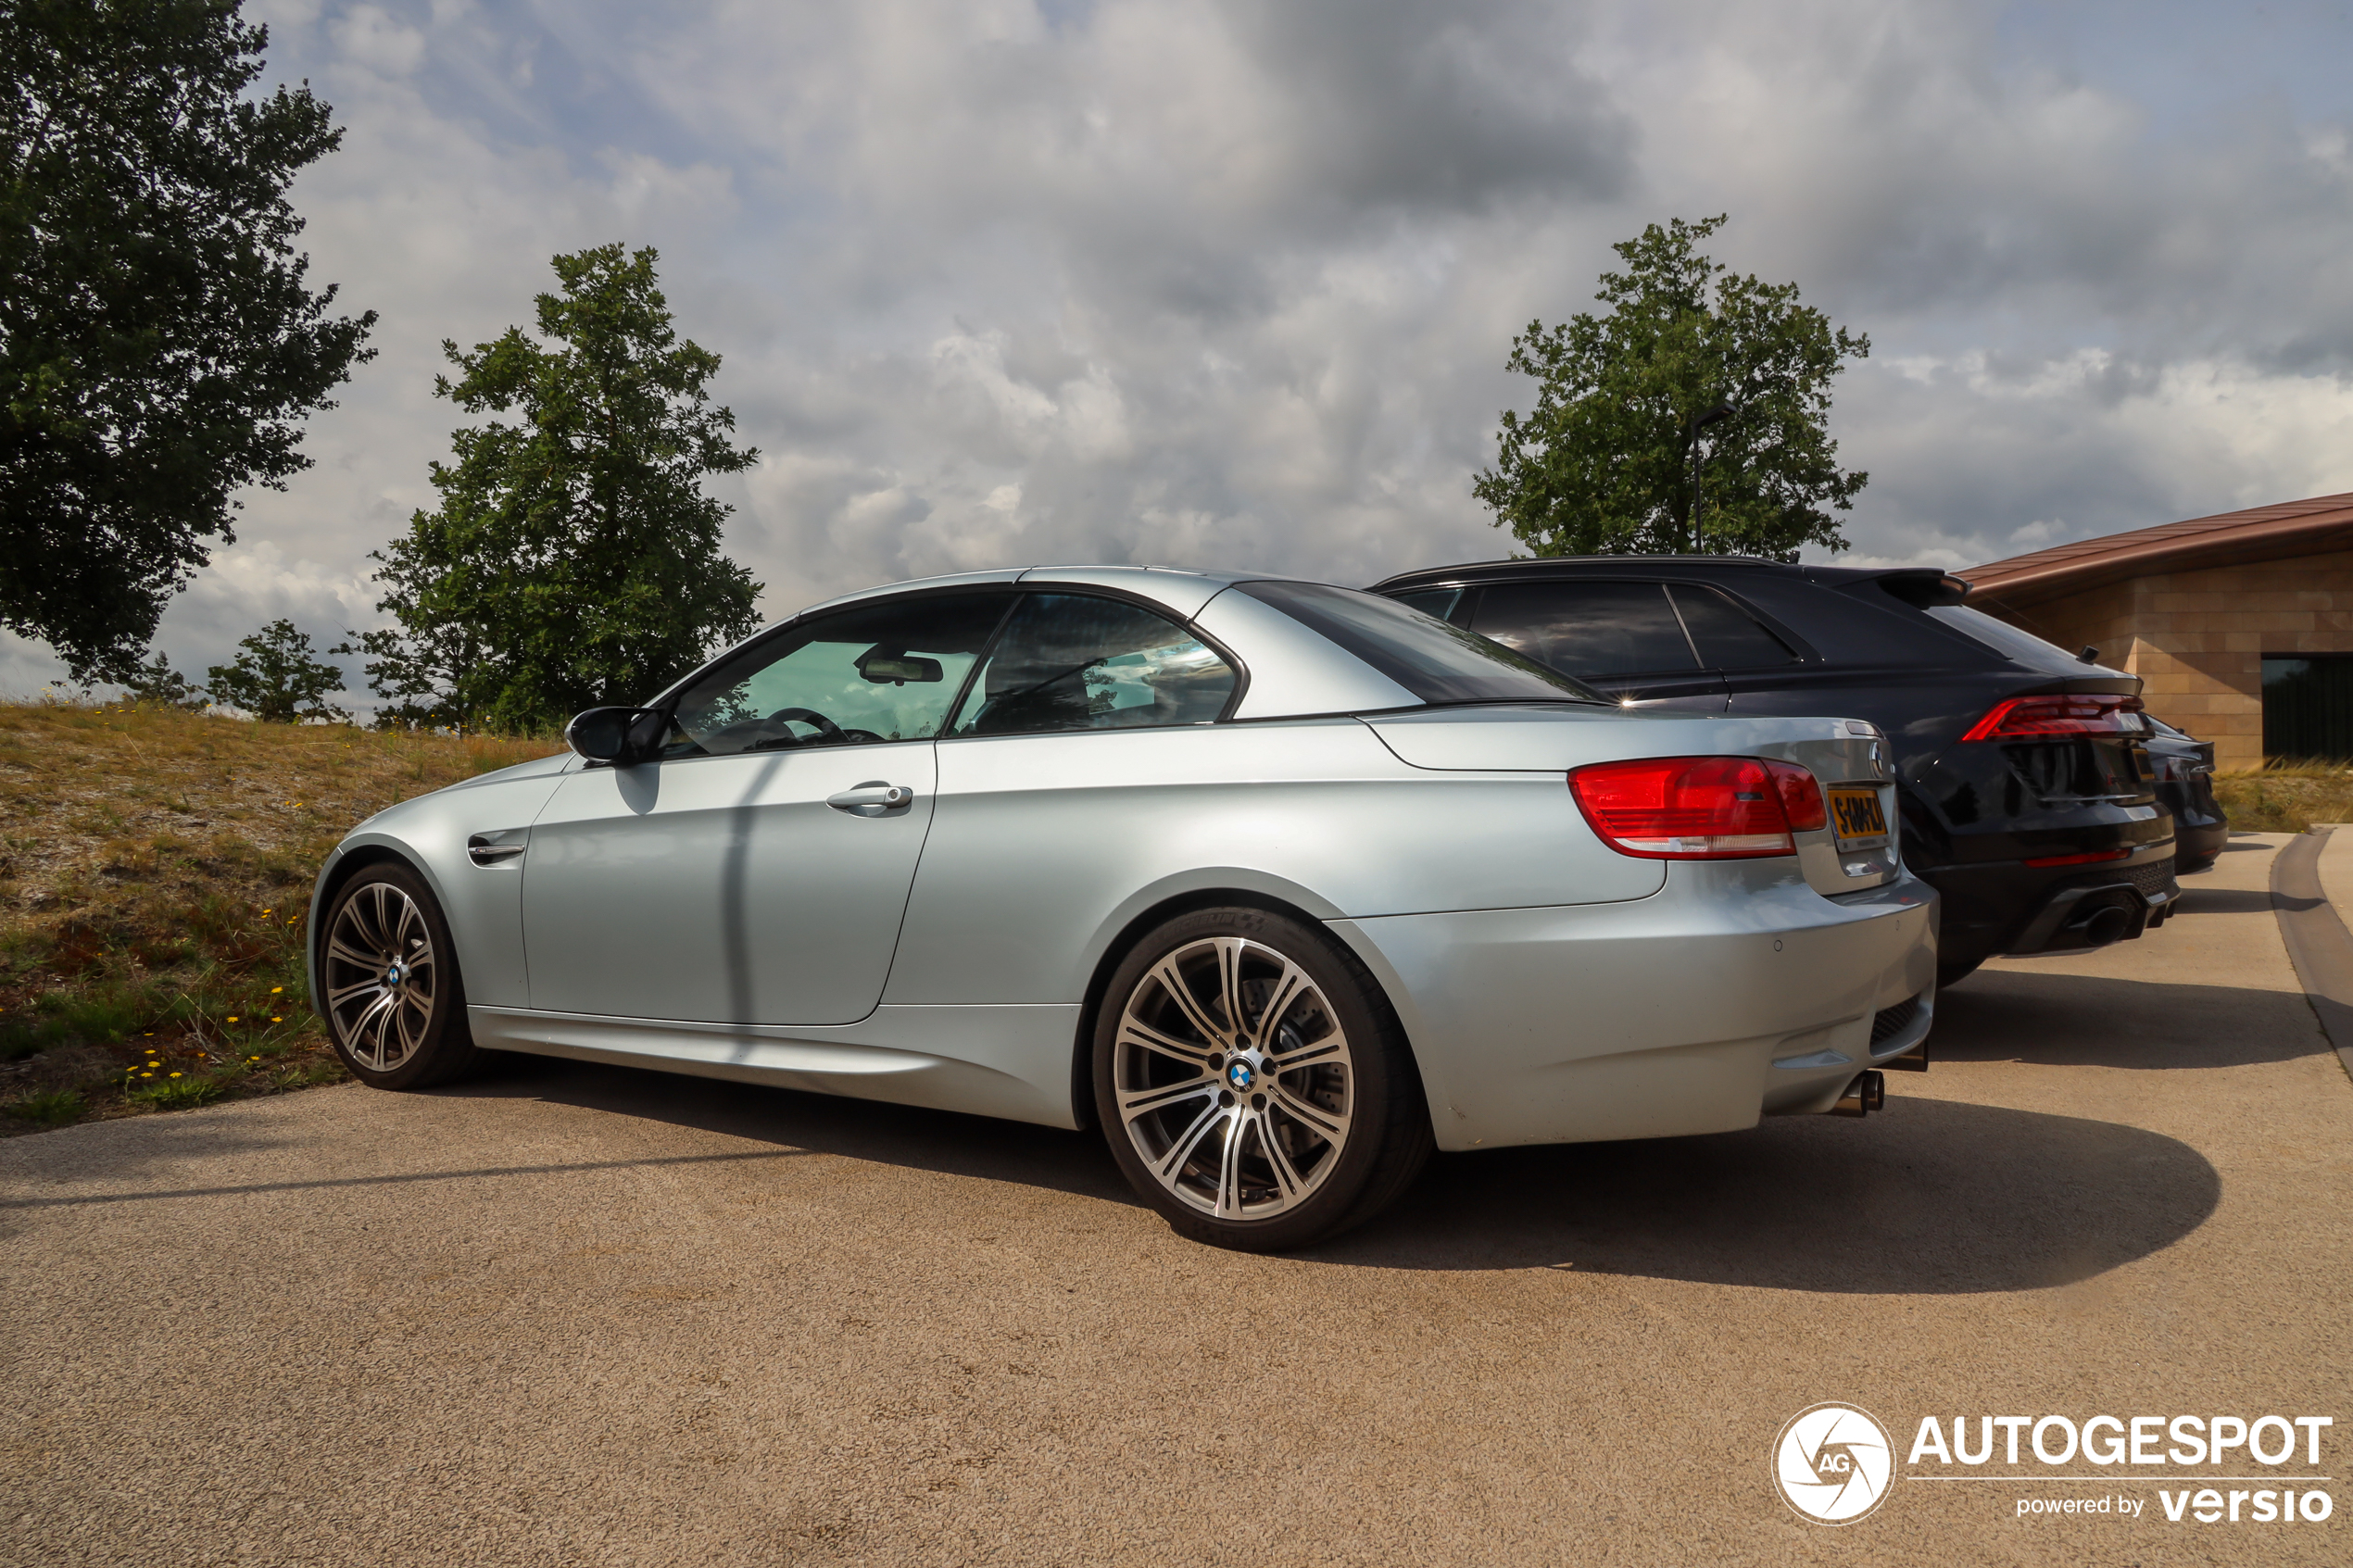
(155, 876)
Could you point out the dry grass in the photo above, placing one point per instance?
(2287, 796)
(154, 874)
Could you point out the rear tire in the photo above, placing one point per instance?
(392, 996)
(1253, 1084)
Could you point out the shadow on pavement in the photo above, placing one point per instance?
(856, 1129)
(2015, 1014)
(2198, 901)
(392, 1179)
(1929, 1196)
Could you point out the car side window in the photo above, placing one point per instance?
(1587, 628)
(1727, 636)
(885, 672)
(1074, 661)
(1435, 602)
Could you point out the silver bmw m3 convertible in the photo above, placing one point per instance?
(1282, 884)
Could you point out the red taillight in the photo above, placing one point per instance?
(2078, 860)
(1699, 807)
(2063, 713)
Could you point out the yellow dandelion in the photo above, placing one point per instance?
(232, 1018)
(275, 989)
(146, 1074)
(277, 1021)
(175, 1074)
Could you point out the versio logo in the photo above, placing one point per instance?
(1832, 1464)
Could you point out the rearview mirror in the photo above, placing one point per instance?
(899, 669)
(620, 736)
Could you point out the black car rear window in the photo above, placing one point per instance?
(1437, 662)
(1726, 635)
(1588, 628)
(2018, 648)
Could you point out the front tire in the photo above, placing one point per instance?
(1252, 1082)
(395, 1004)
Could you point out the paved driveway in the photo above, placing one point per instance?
(577, 1315)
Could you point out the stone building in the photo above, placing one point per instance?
(2240, 627)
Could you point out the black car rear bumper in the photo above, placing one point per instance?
(2063, 906)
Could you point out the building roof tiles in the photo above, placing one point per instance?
(2258, 533)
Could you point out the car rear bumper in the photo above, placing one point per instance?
(2199, 844)
(2010, 907)
(1733, 993)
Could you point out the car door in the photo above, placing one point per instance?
(1624, 637)
(757, 869)
(1089, 711)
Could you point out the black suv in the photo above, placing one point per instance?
(2021, 769)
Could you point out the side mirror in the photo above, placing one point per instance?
(899, 669)
(620, 736)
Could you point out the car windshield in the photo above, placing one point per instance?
(1436, 661)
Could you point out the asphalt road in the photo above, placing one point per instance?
(576, 1315)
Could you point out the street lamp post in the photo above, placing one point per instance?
(1713, 415)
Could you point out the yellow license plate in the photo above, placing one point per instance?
(1856, 817)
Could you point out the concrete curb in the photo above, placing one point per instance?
(2318, 943)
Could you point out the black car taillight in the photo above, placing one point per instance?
(2061, 713)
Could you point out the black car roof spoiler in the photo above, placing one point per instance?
(1923, 587)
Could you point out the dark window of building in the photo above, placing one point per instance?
(2308, 706)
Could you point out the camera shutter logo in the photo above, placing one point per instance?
(1832, 1464)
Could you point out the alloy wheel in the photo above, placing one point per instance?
(381, 976)
(1233, 1077)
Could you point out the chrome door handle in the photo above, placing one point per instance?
(871, 798)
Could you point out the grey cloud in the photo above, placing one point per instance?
(1233, 284)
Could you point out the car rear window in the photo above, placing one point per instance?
(2018, 648)
(1726, 636)
(1437, 662)
(1591, 628)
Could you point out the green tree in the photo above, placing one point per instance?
(1693, 370)
(574, 560)
(278, 678)
(157, 682)
(158, 344)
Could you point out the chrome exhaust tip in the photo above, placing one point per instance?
(1866, 1094)
(2105, 926)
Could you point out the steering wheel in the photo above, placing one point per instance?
(809, 716)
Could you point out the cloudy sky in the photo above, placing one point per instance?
(1001, 281)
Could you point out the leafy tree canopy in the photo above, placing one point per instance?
(157, 682)
(158, 344)
(1690, 361)
(574, 558)
(277, 678)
